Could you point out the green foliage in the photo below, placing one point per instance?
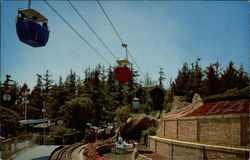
(229, 94)
(72, 137)
(161, 78)
(154, 113)
(104, 142)
(9, 121)
(122, 114)
(149, 131)
(167, 107)
(145, 109)
(59, 130)
(148, 80)
(77, 112)
(58, 97)
(32, 112)
(70, 84)
(211, 81)
(69, 135)
(168, 100)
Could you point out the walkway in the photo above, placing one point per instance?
(36, 153)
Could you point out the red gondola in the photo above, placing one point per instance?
(122, 72)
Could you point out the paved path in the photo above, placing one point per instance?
(36, 153)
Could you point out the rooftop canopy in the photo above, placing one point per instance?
(30, 13)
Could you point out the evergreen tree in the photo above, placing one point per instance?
(48, 82)
(77, 112)
(161, 78)
(58, 97)
(242, 78)
(179, 85)
(70, 84)
(60, 83)
(194, 82)
(9, 122)
(148, 80)
(36, 98)
(211, 84)
(79, 86)
(229, 78)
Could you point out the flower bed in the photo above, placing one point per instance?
(222, 107)
(90, 150)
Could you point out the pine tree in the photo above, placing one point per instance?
(36, 98)
(242, 78)
(179, 86)
(70, 84)
(196, 76)
(229, 78)
(211, 84)
(161, 78)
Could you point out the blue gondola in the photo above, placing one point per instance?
(32, 28)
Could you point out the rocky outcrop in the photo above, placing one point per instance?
(178, 104)
(197, 102)
(133, 128)
(196, 98)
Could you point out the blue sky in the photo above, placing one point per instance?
(158, 33)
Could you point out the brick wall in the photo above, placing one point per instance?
(219, 129)
(152, 145)
(164, 149)
(161, 129)
(219, 155)
(171, 128)
(187, 129)
(181, 150)
(186, 153)
(245, 131)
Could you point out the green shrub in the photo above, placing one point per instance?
(149, 131)
(9, 121)
(229, 95)
(72, 137)
(154, 113)
(145, 109)
(38, 139)
(122, 114)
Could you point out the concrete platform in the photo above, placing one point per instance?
(36, 153)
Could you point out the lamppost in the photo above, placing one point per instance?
(44, 97)
(43, 110)
(6, 97)
(25, 106)
(7, 89)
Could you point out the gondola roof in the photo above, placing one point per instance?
(29, 13)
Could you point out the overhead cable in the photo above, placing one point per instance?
(136, 64)
(110, 21)
(98, 53)
(91, 29)
(120, 37)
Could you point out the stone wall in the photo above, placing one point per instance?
(13, 145)
(217, 129)
(181, 150)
